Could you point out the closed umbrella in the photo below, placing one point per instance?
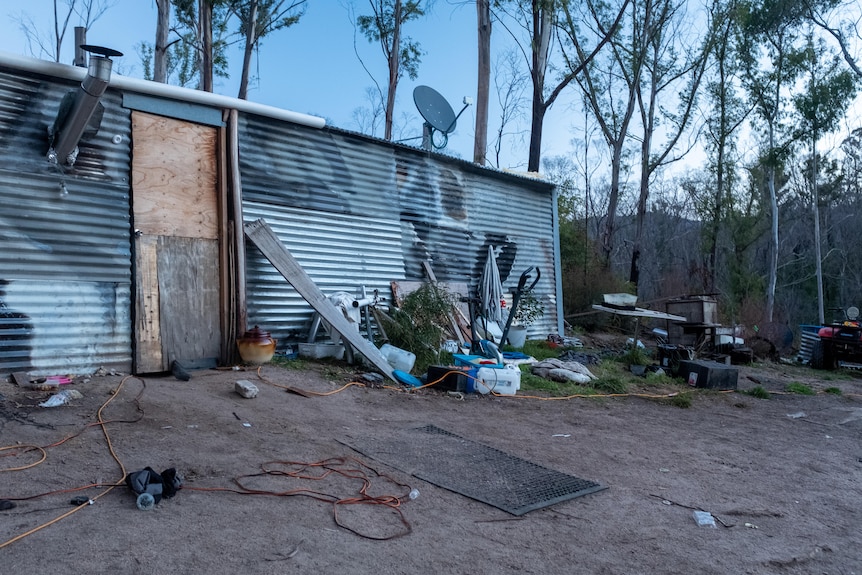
(491, 289)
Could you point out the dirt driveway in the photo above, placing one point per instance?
(783, 476)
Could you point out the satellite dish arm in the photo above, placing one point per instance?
(455, 121)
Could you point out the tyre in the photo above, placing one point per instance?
(817, 355)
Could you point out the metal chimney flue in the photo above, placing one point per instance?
(79, 106)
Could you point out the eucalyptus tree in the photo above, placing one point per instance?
(770, 61)
(840, 19)
(675, 59)
(541, 22)
(257, 19)
(190, 45)
(609, 82)
(384, 25)
(726, 114)
(829, 88)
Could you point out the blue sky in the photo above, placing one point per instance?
(313, 68)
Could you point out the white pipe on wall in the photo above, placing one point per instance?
(157, 89)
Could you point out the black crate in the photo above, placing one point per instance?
(710, 374)
(456, 378)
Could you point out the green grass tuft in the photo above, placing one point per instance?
(758, 392)
(682, 400)
(610, 384)
(832, 390)
(281, 361)
(799, 388)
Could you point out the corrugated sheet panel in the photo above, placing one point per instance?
(340, 253)
(442, 210)
(59, 327)
(293, 165)
(65, 260)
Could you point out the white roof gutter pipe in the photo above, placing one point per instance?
(157, 89)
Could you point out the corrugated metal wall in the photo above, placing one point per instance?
(357, 211)
(354, 210)
(64, 237)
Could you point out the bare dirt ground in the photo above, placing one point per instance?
(786, 490)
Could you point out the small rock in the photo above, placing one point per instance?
(371, 377)
(245, 388)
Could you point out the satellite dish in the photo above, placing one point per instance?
(434, 108)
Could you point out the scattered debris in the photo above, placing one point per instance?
(81, 500)
(62, 398)
(371, 379)
(796, 415)
(752, 526)
(562, 435)
(703, 518)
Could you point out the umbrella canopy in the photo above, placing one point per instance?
(491, 290)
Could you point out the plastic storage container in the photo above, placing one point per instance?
(321, 350)
(506, 380)
(398, 358)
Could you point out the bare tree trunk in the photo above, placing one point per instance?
(250, 39)
(773, 254)
(160, 52)
(205, 11)
(542, 30)
(609, 228)
(394, 62)
(818, 256)
(480, 143)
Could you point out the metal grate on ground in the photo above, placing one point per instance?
(474, 470)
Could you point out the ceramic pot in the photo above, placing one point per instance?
(256, 346)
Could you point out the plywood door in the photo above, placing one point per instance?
(175, 213)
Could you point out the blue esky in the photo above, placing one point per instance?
(313, 68)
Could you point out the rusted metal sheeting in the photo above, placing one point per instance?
(65, 263)
(392, 200)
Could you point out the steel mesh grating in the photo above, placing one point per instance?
(475, 470)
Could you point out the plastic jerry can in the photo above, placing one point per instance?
(505, 380)
(398, 358)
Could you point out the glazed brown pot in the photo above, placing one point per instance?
(256, 346)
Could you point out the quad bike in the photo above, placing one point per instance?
(840, 341)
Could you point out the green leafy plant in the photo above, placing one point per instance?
(530, 308)
(417, 326)
(832, 390)
(636, 356)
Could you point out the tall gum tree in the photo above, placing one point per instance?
(541, 21)
(770, 65)
(609, 83)
(384, 25)
(675, 61)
